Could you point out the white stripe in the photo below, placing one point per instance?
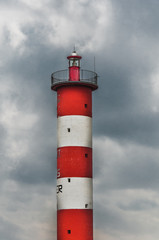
(74, 130)
(74, 193)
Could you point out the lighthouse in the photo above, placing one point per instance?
(74, 88)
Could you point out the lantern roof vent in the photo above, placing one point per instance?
(74, 53)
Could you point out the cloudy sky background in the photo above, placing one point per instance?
(35, 38)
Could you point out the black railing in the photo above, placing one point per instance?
(63, 76)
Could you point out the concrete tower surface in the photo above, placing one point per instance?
(74, 150)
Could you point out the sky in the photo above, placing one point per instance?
(36, 36)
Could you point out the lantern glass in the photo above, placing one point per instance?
(74, 62)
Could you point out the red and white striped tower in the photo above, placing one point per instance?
(74, 150)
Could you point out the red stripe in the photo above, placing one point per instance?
(74, 100)
(74, 162)
(75, 224)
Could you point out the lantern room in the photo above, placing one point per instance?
(74, 75)
(74, 66)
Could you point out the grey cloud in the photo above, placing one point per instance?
(133, 169)
(27, 205)
(122, 106)
(139, 173)
(139, 205)
(126, 224)
(9, 231)
(35, 172)
(2, 136)
(130, 126)
(8, 2)
(108, 217)
(39, 166)
(111, 218)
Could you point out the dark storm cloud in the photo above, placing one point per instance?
(3, 157)
(130, 126)
(139, 174)
(3, 135)
(143, 14)
(39, 171)
(33, 74)
(126, 168)
(125, 70)
(39, 166)
(34, 92)
(126, 57)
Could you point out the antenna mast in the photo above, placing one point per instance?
(94, 64)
